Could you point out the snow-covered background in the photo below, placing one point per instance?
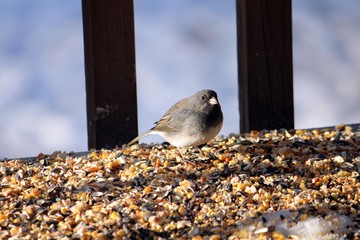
(181, 47)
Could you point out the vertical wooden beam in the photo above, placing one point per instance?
(265, 71)
(110, 72)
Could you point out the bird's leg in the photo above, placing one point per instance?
(201, 153)
(180, 151)
(183, 157)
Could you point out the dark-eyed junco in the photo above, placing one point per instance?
(192, 121)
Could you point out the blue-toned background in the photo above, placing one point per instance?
(181, 47)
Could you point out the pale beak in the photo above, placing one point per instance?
(213, 101)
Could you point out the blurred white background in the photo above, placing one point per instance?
(181, 47)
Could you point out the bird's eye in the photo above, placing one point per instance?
(203, 97)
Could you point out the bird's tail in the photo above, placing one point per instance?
(139, 137)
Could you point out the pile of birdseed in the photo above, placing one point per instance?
(281, 184)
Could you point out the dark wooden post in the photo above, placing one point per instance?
(264, 33)
(110, 72)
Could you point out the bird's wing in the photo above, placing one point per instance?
(174, 119)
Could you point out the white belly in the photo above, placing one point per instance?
(186, 140)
